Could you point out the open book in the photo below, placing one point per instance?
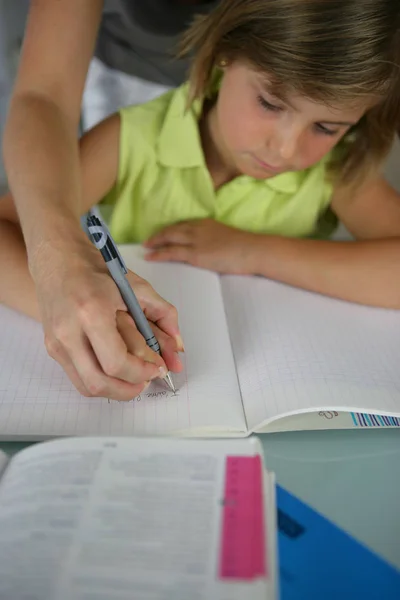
(122, 518)
(260, 356)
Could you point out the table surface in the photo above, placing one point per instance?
(352, 477)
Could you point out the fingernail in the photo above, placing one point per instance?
(163, 371)
(178, 358)
(179, 342)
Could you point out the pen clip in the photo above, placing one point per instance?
(96, 226)
(117, 252)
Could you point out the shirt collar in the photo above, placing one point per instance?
(179, 143)
(288, 183)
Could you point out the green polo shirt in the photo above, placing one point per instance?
(163, 179)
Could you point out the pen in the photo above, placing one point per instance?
(103, 241)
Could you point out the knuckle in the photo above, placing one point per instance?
(144, 285)
(84, 392)
(144, 291)
(141, 352)
(172, 311)
(95, 387)
(85, 310)
(136, 279)
(53, 346)
(60, 331)
(112, 367)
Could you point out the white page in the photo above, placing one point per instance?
(38, 400)
(119, 518)
(297, 351)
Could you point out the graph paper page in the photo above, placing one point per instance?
(296, 351)
(37, 399)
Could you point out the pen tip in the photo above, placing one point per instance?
(168, 379)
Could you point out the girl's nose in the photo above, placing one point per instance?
(287, 146)
(284, 142)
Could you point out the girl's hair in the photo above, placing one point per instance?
(331, 51)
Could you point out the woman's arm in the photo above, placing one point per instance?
(84, 320)
(97, 172)
(96, 341)
(40, 142)
(366, 271)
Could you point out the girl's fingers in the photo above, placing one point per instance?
(182, 254)
(180, 234)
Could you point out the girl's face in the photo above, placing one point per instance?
(259, 135)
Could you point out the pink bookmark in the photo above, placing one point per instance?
(243, 553)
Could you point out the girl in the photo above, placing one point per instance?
(291, 107)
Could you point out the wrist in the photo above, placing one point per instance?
(49, 224)
(55, 241)
(257, 253)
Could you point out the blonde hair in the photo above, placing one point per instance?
(331, 51)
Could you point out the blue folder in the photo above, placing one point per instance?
(317, 560)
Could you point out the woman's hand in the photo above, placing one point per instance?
(205, 243)
(88, 330)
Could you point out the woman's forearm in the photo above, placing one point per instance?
(367, 272)
(40, 142)
(42, 163)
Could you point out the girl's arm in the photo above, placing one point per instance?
(366, 271)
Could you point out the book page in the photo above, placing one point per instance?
(120, 518)
(296, 351)
(37, 399)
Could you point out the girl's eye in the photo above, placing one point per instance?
(267, 105)
(321, 129)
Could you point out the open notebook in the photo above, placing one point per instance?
(260, 356)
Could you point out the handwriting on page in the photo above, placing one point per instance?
(154, 393)
(37, 399)
(164, 395)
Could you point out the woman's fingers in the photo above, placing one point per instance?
(87, 376)
(111, 349)
(89, 332)
(168, 350)
(157, 310)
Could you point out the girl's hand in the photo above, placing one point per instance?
(206, 244)
(88, 330)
